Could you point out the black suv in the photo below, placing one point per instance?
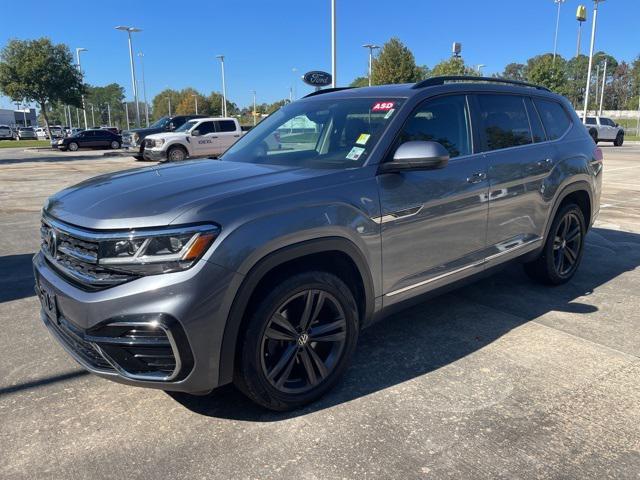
(133, 140)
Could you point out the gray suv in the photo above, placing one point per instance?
(262, 267)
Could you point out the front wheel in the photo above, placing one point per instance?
(176, 154)
(562, 250)
(298, 341)
(73, 147)
(619, 140)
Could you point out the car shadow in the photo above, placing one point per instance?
(17, 279)
(56, 157)
(438, 332)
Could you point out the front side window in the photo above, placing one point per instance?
(205, 128)
(317, 133)
(591, 121)
(504, 121)
(554, 118)
(444, 120)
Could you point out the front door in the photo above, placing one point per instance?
(434, 222)
(205, 144)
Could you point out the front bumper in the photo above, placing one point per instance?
(179, 317)
(155, 155)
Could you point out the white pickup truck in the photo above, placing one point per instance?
(199, 137)
(603, 129)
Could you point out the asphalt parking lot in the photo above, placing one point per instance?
(500, 379)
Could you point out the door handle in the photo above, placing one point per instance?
(477, 177)
(547, 162)
(213, 136)
(236, 136)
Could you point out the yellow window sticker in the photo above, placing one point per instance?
(363, 139)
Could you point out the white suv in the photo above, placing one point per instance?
(199, 137)
(603, 129)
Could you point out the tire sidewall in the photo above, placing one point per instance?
(72, 149)
(174, 149)
(554, 278)
(254, 379)
(115, 145)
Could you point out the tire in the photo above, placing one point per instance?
(115, 145)
(176, 154)
(279, 365)
(619, 139)
(73, 147)
(563, 248)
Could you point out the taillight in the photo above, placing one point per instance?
(597, 154)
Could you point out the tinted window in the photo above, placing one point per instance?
(535, 122)
(504, 121)
(555, 120)
(591, 121)
(444, 120)
(205, 128)
(176, 122)
(226, 126)
(607, 121)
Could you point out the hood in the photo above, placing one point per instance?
(142, 132)
(168, 136)
(155, 196)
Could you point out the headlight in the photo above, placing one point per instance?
(158, 251)
(60, 142)
(159, 142)
(134, 138)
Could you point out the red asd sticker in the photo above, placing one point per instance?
(382, 107)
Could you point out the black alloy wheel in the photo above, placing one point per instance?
(567, 244)
(303, 341)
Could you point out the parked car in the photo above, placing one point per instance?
(133, 140)
(261, 268)
(90, 139)
(41, 133)
(6, 133)
(198, 137)
(26, 133)
(603, 129)
(56, 131)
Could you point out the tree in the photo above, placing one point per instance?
(105, 99)
(360, 82)
(39, 71)
(543, 70)
(514, 71)
(395, 64)
(162, 101)
(453, 66)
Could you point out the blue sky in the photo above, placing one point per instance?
(264, 40)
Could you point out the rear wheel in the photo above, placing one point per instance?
(562, 250)
(176, 154)
(115, 145)
(619, 140)
(298, 341)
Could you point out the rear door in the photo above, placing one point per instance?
(434, 222)
(227, 133)
(519, 160)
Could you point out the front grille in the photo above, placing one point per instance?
(77, 258)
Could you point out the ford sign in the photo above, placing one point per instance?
(317, 78)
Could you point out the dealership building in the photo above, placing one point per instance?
(18, 118)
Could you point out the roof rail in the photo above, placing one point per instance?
(430, 82)
(326, 90)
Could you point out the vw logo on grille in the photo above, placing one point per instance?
(51, 242)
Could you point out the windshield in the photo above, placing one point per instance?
(318, 133)
(160, 123)
(186, 126)
(27, 129)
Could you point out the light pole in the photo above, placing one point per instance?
(224, 87)
(254, 107)
(555, 38)
(195, 97)
(84, 110)
(593, 39)
(334, 81)
(126, 111)
(109, 114)
(479, 68)
(371, 48)
(597, 82)
(144, 89)
(129, 31)
(604, 79)
(169, 100)
(581, 16)
(93, 118)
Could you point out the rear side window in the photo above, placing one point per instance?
(554, 118)
(226, 126)
(504, 121)
(534, 120)
(444, 120)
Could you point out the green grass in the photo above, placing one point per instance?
(24, 143)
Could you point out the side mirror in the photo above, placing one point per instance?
(417, 155)
(617, 124)
(171, 126)
(195, 133)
